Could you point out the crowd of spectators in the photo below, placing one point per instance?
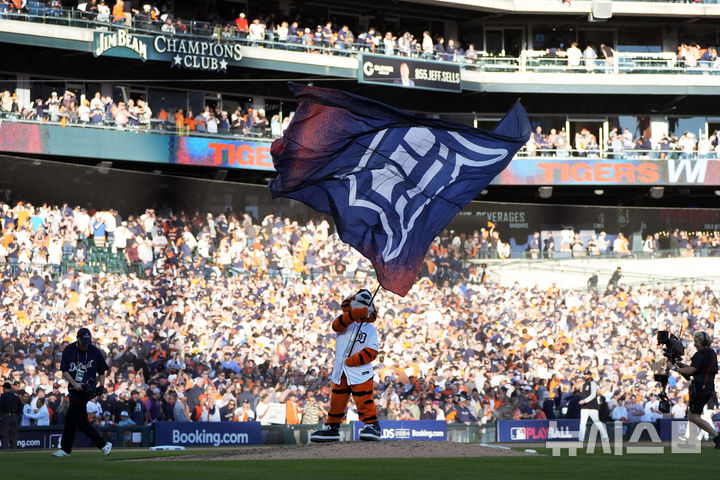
(678, 243)
(187, 343)
(622, 145)
(295, 34)
(690, 58)
(68, 109)
(136, 114)
(311, 35)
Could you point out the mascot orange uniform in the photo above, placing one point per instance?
(355, 349)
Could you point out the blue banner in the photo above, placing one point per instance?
(48, 438)
(216, 434)
(408, 430)
(536, 430)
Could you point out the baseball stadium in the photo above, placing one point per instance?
(333, 239)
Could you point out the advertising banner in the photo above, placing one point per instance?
(157, 146)
(665, 427)
(516, 222)
(225, 153)
(586, 171)
(536, 430)
(409, 73)
(215, 434)
(408, 430)
(181, 52)
(49, 437)
(134, 145)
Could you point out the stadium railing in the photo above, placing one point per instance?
(711, 2)
(610, 154)
(528, 60)
(585, 266)
(167, 128)
(156, 126)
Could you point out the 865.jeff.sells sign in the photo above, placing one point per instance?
(409, 73)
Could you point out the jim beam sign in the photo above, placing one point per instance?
(121, 38)
(198, 55)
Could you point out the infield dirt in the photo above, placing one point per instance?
(384, 449)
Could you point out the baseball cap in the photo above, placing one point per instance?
(124, 413)
(156, 390)
(84, 337)
(587, 372)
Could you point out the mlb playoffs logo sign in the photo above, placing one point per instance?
(552, 432)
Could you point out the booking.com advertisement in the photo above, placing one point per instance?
(408, 430)
(204, 434)
(46, 438)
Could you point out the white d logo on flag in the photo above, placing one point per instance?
(411, 151)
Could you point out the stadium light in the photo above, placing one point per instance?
(717, 192)
(485, 192)
(545, 192)
(657, 192)
(599, 191)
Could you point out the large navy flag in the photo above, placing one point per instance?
(391, 180)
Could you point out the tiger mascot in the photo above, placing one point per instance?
(352, 371)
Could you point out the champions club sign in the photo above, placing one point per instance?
(198, 55)
(180, 52)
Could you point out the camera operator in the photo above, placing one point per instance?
(82, 366)
(703, 367)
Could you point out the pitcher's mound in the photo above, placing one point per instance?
(383, 449)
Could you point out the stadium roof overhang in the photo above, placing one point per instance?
(582, 7)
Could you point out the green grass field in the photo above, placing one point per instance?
(93, 465)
